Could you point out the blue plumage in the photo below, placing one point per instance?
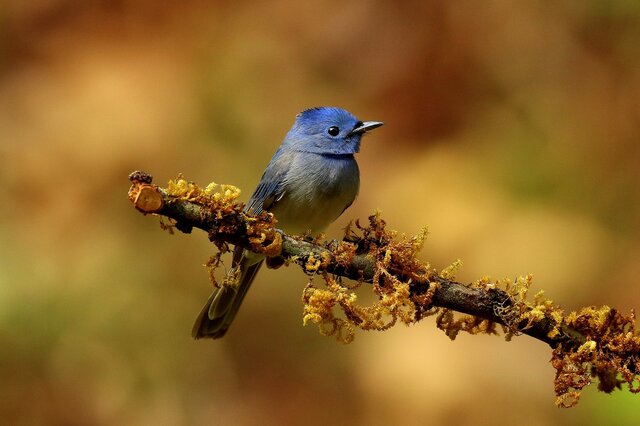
(311, 179)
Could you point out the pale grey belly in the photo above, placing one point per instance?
(316, 195)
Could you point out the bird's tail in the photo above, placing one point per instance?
(218, 313)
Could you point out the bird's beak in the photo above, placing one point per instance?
(365, 127)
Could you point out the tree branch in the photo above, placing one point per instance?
(592, 342)
(230, 225)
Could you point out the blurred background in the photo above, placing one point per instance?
(512, 129)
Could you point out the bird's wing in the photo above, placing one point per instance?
(270, 190)
(264, 197)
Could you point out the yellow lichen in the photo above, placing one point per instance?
(312, 264)
(610, 353)
(343, 254)
(553, 333)
(222, 202)
(320, 308)
(274, 247)
(336, 309)
(450, 271)
(212, 193)
(211, 188)
(452, 326)
(221, 199)
(418, 240)
(592, 343)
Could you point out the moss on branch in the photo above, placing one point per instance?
(591, 343)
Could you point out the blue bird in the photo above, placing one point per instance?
(312, 178)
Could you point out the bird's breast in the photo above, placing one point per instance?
(317, 189)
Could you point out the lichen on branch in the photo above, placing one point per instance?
(591, 343)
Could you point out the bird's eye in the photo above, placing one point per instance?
(333, 131)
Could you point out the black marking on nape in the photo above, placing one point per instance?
(308, 110)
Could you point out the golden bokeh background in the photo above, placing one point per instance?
(512, 129)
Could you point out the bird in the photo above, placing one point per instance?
(310, 181)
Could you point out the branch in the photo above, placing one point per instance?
(590, 343)
(233, 227)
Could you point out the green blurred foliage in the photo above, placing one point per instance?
(512, 130)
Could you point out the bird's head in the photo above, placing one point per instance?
(327, 130)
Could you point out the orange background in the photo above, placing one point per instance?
(512, 129)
